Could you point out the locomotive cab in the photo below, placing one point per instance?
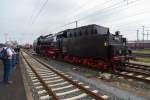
(118, 49)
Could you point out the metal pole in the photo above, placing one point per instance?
(147, 34)
(76, 23)
(137, 35)
(143, 34)
(136, 42)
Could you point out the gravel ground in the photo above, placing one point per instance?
(16, 90)
(104, 87)
(125, 89)
(34, 91)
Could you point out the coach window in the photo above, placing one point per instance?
(54, 38)
(95, 31)
(92, 31)
(80, 33)
(86, 32)
(75, 34)
(64, 35)
(70, 35)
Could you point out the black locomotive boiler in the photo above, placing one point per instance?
(90, 45)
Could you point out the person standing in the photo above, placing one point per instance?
(8, 63)
(14, 55)
(17, 50)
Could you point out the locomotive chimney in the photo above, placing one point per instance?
(117, 33)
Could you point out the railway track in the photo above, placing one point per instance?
(141, 55)
(138, 66)
(53, 84)
(136, 71)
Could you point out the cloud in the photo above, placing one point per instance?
(17, 16)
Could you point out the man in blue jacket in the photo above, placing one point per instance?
(8, 63)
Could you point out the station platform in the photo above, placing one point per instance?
(14, 91)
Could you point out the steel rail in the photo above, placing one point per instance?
(129, 63)
(132, 77)
(141, 55)
(136, 72)
(138, 66)
(90, 93)
(49, 91)
(118, 73)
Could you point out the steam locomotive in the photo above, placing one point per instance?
(90, 45)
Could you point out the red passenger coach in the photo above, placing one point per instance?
(139, 44)
(27, 46)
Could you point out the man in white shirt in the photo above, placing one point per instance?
(8, 63)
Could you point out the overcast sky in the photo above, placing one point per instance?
(25, 20)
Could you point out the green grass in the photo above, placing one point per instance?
(141, 51)
(89, 74)
(146, 60)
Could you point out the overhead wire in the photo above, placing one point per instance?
(62, 26)
(115, 7)
(111, 11)
(130, 16)
(79, 11)
(100, 10)
(82, 6)
(116, 19)
(103, 11)
(110, 8)
(71, 22)
(34, 10)
(41, 9)
(76, 10)
(34, 18)
(91, 14)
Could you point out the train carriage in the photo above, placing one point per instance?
(90, 45)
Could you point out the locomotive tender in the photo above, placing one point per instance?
(90, 45)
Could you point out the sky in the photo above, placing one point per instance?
(25, 20)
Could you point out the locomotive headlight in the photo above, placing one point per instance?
(117, 38)
(120, 51)
(105, 44)
(124, 44)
